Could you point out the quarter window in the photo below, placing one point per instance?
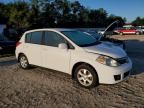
(28, 38)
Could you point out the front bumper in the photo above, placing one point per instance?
(112, 75)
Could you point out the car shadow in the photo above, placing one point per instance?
(135, 50)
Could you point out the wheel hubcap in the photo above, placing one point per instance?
(85, 77)
(23, 62)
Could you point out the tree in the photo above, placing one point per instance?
(18, 14)
(97, 18)
(84, 18)
(113, 18)
(3, 13)
(138, 21)
(53, 13)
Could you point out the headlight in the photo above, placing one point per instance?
(107, 61)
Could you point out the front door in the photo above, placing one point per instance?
(54, 57)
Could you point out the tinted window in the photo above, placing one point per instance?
(36, 37)
(80, 38)
(95, 35)
(28, 38)
(53, 39)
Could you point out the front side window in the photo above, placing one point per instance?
(53, 39)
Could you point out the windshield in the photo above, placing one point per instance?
(94, 34)
(80, 38)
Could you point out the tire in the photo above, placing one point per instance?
(137, 33)
(121, 33)
(23, 62)
(86, 76)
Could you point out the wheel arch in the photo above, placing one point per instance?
(80, 63)
(20, 55)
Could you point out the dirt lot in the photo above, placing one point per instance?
(42, 88)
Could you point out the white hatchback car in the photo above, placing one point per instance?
(70, 51)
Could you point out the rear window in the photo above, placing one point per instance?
(34, 37)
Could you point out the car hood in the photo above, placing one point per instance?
(109, 29)
(107, 49)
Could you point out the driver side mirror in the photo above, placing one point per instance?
(63, 46)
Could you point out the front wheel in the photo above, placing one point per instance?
(24, 62)
(86, 76)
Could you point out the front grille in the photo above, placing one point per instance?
(122, 60)
(126, 74)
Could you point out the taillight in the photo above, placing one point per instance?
(18, 43)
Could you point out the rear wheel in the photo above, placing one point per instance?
(86, 76)
(23, 61)
(137, 33)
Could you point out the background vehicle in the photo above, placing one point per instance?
(140, 28)
(107, 39)
(105, 36)
(2, 27)
(70, 51)
(13, 34)
(101, 32)
(6, 46)
(130, 30)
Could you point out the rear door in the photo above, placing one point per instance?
(32, 47)
(54, 57)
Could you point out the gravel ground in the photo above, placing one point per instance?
(43, 88)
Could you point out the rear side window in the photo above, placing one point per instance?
(34, 37)
(53, 39)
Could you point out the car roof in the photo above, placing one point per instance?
(51, 29)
